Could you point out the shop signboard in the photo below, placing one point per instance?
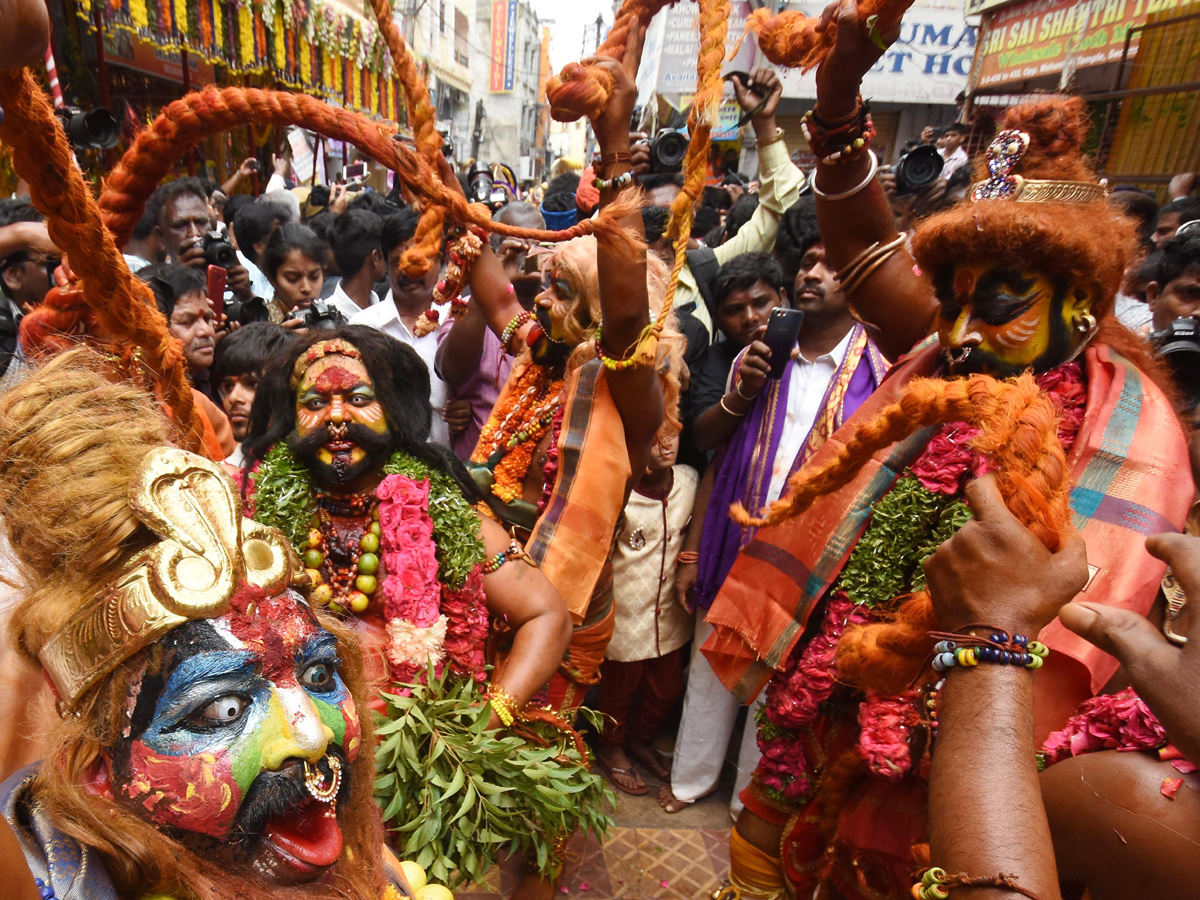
(928, 63)
(503, 66)
(1035, 38)
(121, 48)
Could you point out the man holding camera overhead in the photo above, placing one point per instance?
(780, 184)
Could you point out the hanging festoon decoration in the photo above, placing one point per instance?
(303, 44)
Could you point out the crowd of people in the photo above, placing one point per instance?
(901, 469)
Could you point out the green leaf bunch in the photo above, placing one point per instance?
(284, 494)
(456, 794)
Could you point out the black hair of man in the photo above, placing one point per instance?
(251, 350)
(566, 183)
(285, 239)
(654, 222)
(374, 202)
(1171, 259)
(743, 272)
(660, 179)
(704, 220)
(143, 228)
(321, 224)
(170, 281)
(1188, 209)
(401, 382)
(233, 205)
(519, 213)
(559, 202)
(14, 210)
(171, 191)
(1138, 205)
(798, 231)
(956, 128)
(353, 235)
(399, 229)
(253, 224)
(739, 214)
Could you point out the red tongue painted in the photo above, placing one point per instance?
(308, 834)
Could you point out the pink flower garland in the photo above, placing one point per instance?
(426, 621)
(550, 473)
(886, 724)
(1119, 721)
(794, 700)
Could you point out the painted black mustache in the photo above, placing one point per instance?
(369, 440)
(278, 793)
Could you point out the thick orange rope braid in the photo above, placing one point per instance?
(426, 244)
(1018, 436)
(123, 305)
(185, 122)
(791, 39)
(581, 90)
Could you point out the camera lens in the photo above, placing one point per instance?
(919, 168)
(667, 151)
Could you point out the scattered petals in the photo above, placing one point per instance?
(1170, 787)
(563, 890)
(1184, 766)
(666, 884)
(584, 886)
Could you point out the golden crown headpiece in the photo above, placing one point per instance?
(207, 553)
(1003, 155)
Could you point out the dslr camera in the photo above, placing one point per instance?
(218, 251)
(323, 314)
(667, 150)
(1178, 345)
(917, 169)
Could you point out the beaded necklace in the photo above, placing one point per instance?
(510, 436)
(352, 582)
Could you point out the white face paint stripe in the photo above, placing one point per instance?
(309, 732)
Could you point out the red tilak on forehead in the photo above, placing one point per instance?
(336, 380)
(964, 283)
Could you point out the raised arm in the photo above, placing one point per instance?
(852, 210)
(624, 301)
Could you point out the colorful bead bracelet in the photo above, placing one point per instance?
(969, 651)
(510, 330)
(616, 183)
(514, 551)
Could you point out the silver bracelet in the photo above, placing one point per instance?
(738, 390)
(854, 190)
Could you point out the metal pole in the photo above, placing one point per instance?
(187, 89)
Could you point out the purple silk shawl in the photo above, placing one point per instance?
(743, 466)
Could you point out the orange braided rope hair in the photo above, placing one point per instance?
(1018, 435)
(187, 121)
(426, 245)
(791, 38)
(121, 305)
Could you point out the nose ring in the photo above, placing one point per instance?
(314, 781)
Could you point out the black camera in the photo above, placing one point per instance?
(322, 314)
(447, 148)
(218, 251)
(253, 310)
(917, 169)
(1178, 345)
(667, 150)
(97, 129)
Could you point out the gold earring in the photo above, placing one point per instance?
(1084, 323)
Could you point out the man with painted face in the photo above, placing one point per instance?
(212, 736)
(823, 608)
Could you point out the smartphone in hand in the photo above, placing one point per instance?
(783, 327)
(217, 277)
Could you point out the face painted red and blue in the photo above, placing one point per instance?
(240, 744)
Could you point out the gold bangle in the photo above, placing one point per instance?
(736, 415)
(772, 140)
(859, 269)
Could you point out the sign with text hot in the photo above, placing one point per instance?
(503, 68)
(1035, 38)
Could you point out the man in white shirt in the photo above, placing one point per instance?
(950, 145)
(768, 428)
(408, 312)
(356, 239)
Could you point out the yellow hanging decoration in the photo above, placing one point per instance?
(137, 14)
(305, 63)
(181, 17)
(280, 44)
(218, 24)
(374, 82)
(246, 35)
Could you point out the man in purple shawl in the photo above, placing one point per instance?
(763, 430)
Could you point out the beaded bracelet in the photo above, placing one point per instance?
(841, 142)
(611, 363)
(505, 705)
(996, 648)
(616, 183)
(510, 330)
(514, 552)
(936, 884)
